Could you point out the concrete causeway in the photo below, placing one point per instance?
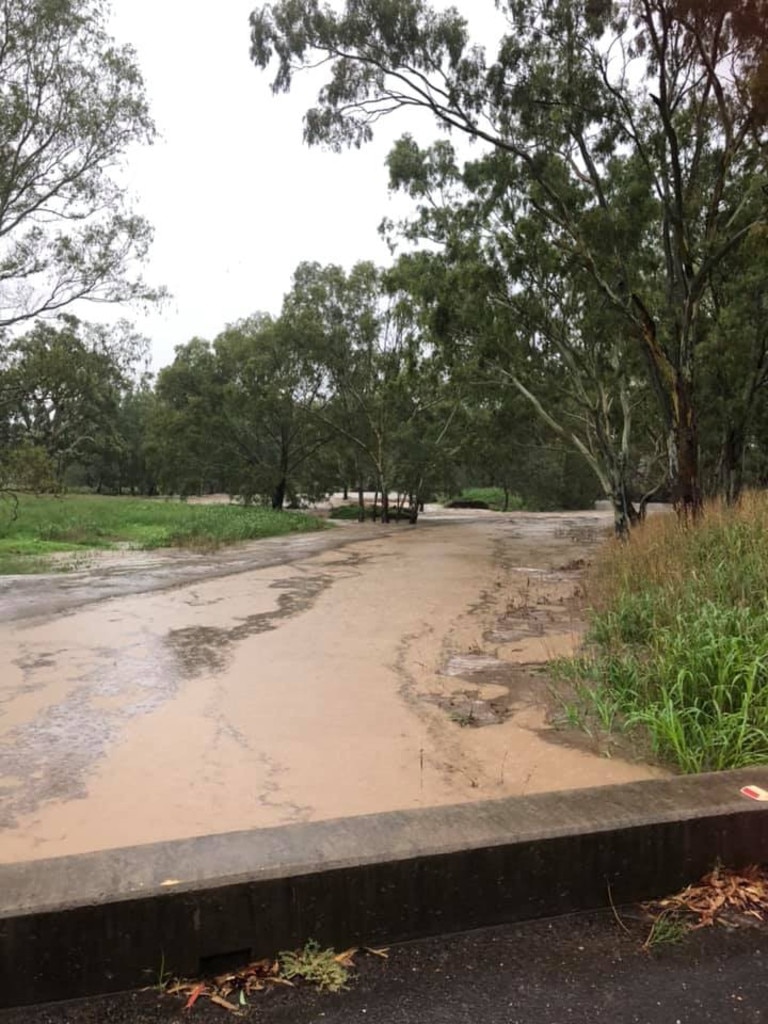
(107, 921)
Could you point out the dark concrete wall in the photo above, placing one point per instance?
(105, 921)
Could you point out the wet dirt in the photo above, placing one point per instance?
(364, 669)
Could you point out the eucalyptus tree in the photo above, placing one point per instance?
(236, 414)
(732, 382)
(72, 102)
(512, 313)
(187, 435)
(271, 388)
(673, 89)
(387, 397)
(61, 388)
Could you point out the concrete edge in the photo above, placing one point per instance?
(105, 921)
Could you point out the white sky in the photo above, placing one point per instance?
(235, 197)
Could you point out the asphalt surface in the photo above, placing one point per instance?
(577, 970)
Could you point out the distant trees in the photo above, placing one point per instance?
(340, 388)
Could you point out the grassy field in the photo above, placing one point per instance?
(678, 645)
(46, 525)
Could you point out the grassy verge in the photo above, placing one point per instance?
(492, 496)
(677, 651)
(47, 525)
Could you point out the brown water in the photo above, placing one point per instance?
(363, 670)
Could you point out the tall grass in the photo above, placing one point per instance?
(678, 644)
(45, 525)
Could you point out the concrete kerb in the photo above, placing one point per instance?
(109, 921)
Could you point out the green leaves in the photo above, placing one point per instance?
(71, 102)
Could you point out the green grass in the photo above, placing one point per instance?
(75, 523)
(492, 496)
(351, 512)
(677, 651)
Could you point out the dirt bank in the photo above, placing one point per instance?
(397, 671)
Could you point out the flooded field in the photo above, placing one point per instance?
(364, 669)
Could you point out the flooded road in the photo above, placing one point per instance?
(313, 676)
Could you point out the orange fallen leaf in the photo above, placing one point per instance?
(194, 995)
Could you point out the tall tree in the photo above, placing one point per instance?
(386, 397)
(672, 88)
(272, 388)
(237, 414)
(71, 103)
(61, 387)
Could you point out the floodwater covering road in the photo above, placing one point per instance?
(363, 669)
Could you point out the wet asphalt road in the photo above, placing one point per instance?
(578, 970)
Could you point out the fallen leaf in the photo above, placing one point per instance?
(225, 1003)
(347, 958)
(194, 995)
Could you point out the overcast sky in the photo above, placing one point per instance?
(236, 199)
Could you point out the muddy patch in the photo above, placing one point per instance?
(501, 688)
(207, 649)
(527, 611)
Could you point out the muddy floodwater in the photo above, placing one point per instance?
(363, 669)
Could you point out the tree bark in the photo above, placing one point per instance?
(278, 496)
(384, 503)
(684, 454)
(673, 384)
(625, 515)
(731, 470)
(413, 509)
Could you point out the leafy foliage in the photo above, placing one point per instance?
(71, 103)
(624, 155)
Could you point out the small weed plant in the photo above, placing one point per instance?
(321, 967)
(678, 645)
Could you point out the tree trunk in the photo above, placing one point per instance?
(506, 499)
(384, 503)
(346, 493)
(360, 503)
(684, 454)
(732, 465)
(625, 515)
(413, 509)
(673, 383)
(278, 496)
